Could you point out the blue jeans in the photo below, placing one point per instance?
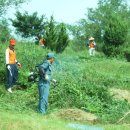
(43, 88)
(12, 75)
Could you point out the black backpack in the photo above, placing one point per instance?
(40, 70)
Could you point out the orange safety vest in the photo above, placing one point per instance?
(12, 56)
(92, 45)
(42, 42)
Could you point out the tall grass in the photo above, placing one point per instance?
(84, 82)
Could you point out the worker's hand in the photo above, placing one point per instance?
(19, 65)
(54, 81)
(8, 67)
(46, 77)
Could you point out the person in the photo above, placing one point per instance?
(44, 82)
(11, 65)
(42, 42)
(92, 45)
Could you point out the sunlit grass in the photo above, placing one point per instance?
(33, 121)
(77, 73)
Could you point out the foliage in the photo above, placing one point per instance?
(18, 121)
(23, 121)
(114, 13)
(115, 35)
(84, 83)
(104, 13)
(56, 36)
(6, 4)
(63, 38)
(51, 34)
(87, 88)
(79, 39)
(4, 31)
(77, 32)
(112, 24)
(29, 25)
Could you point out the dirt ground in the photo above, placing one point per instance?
(75, 114)
(120, 94)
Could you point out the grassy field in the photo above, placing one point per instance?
(84, 82)
(30, 121)
(34, 121)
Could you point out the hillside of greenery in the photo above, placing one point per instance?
(98, 85)
(83, 82)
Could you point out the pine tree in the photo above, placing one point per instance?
(63, 38)
(115, 35)
(51, 35)
(29, 25)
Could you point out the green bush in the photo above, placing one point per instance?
(115, 35)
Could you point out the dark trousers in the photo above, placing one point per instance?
(12, 75)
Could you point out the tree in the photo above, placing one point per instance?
(106, 8)
(6, 4)
(63, 38)
(56, 36)
(51, 34)
(79, 35)
(29, 25)
(4, 31)
(115, 35)
(107, 19)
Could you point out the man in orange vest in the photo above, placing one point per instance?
(11, 65)
(42, 42)
(92, 45)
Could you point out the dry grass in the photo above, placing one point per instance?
(120, 94)
(76, 115)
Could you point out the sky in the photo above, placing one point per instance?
(67, 11)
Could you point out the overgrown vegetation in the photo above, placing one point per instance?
(108, 24)
(55, 34)
(29, 25)
(84, 83)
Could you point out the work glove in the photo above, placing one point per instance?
(46, 77)
(54, 81)
(19, 65)
(8, 67)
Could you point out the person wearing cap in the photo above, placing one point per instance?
(44, 82)
(11, 65)
(92, 45)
